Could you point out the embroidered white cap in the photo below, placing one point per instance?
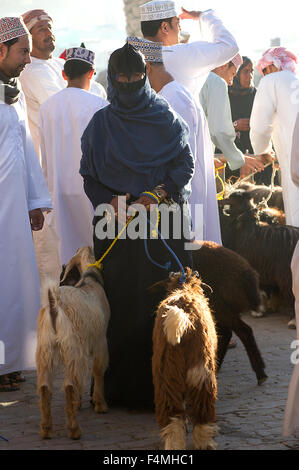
(12, 28)
(158, 10)
(152, 51)
(80, 53)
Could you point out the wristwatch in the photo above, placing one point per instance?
(235, 123)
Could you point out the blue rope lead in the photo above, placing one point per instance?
(3, 438)
(168, 264)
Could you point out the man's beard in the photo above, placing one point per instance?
(49, 46)
(16, 72)
(46, 46)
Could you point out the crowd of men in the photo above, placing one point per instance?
(47, 103)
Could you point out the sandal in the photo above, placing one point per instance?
(6, 385)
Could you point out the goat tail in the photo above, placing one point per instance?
(176, 324)
(251, 287)
(50, 301)
(46, 333)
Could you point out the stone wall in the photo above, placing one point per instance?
(132, 13)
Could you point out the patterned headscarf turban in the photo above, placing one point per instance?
(280, 57)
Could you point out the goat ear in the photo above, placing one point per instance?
(74, 262)
(158, 286)
(62, 272)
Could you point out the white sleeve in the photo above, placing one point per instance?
(39, 86)
(262, 116)
(218, 111)
(198, 58)
(38, 193)
(43, 156)
(186, 109)
(97, 89)
(295, 154)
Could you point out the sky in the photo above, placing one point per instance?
(101, 23)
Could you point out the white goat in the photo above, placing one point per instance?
(72, 324)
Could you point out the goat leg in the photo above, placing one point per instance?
(71, 412)
(170, 405)
(201, 408)
(44, 387)
(45, 406)
(245, 333)
(174, 434)
(224, 336)
(100, 363)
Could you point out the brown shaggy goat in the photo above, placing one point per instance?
(72, 324)
(184, 364)
(233, 290)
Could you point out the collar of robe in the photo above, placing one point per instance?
(9, 88)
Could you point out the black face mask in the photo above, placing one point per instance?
(127, 61)
(129, 87)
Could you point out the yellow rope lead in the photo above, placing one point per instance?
(155, 232)
(217, 176)
(98, 264)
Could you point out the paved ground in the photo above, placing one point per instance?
(249, 417)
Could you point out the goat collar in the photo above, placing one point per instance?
(95, 274)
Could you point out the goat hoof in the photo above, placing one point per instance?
(75, 433)
(292, 324)
(262, 380)
(255, 314)
(46, 433)
(100, 408)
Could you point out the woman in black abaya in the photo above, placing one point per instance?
(135, 145)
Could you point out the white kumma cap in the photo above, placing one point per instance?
(157, 10)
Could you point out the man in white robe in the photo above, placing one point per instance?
(43, 77)
(63, 119)
(291, 416)
(215, 102)
(189, 64)
(273, 118)
(24, 195)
